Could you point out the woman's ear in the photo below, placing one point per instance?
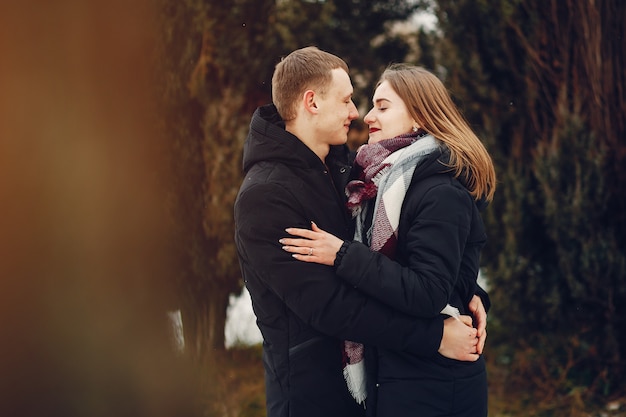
(416, 126)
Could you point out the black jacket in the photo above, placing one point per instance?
(440, 237)
(303, 310)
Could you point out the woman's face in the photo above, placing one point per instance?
(389, 117)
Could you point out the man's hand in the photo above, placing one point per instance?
(459, 339)
(480, 316)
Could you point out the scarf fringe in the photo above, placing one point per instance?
(354, 374)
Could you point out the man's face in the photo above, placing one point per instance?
(336, 110)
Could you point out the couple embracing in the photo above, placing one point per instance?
(362, 268)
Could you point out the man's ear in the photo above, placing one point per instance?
(310, 101)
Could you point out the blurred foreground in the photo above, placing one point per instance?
(84, 279)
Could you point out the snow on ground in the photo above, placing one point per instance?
(241, 326)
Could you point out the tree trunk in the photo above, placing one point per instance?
(204, 323)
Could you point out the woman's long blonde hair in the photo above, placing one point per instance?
(429, 103)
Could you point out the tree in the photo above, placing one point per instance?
(359, 31)
(215, 65)
(211, 82)
(543, 82)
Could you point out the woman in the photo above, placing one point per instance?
(424, 178)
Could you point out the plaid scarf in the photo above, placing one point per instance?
(388, 168)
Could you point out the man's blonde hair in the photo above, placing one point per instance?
(304, 69)
(430, 104)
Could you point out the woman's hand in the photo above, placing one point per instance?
(313, 245)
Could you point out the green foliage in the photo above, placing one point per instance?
(542, 82)
(572, 197)
(359, 31)
(543, 378)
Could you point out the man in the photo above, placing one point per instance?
(296, 165)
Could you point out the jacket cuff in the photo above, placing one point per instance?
(354, 262)
(426, 339)
(484, 297)
(341, 252)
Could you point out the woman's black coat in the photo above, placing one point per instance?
(440, 237)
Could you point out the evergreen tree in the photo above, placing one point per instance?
(212, 78)
(544, 84)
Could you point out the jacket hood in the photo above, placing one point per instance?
(269, 141)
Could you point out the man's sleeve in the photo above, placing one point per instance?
(484, 296)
